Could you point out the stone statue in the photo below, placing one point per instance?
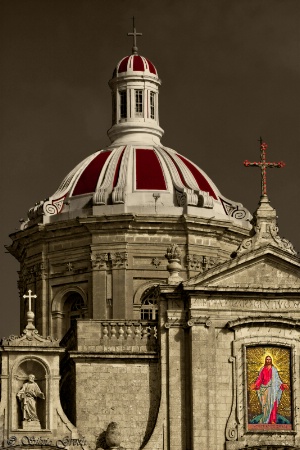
(27, 396)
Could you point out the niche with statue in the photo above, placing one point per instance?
(30, 399)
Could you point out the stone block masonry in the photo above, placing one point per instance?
(126, 392)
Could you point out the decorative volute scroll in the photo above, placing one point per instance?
(173, 256)
(30, 335)
(118, 194)
(265, 231)
(231, 426)
(99, 197)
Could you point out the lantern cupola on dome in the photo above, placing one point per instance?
(135, 86)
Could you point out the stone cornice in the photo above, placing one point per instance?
(263, 320)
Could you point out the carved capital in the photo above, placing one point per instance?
(199, 321)
(119, 259)
(99, 260)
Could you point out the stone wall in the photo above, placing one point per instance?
(126, 392)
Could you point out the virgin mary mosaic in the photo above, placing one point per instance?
(269, 388)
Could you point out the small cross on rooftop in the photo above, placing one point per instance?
(134, 34)
(30, 297)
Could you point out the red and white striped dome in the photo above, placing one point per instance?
(135, 64)
(136, 174)
(137, 179)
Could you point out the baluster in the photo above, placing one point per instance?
(137, 330)
(113, 330)
(121, 330)
(105, 330)
(144, 331)
(128, 330)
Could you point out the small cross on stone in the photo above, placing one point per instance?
(134, 34)
(29, 296)
(70, 266)
(263, 165)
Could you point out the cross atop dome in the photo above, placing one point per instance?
(265, 230)
(134, 34)
(263, 165)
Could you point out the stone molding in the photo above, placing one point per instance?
(266, 320)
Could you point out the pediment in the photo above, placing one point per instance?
(268, 268)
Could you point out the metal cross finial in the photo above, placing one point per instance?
(29, 296)
(264, 166)
(134, 34)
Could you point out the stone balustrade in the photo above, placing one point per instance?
(111, 336)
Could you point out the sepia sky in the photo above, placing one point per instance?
(230, 73)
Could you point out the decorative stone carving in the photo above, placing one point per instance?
(118, 194)
(204, 320)
(53, 206)
(187, 197)
(156, 262)
(265, 231)
(119, 259)
(231, 426)
(69, 267)
(28, 397)
(235, 210)
(100, 195)
(30, 335)
(174, 267)
(109, 260)
(99, 260)
(205, 200)
(200, 263)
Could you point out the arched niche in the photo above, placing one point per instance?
(68, 305)
(20, 375)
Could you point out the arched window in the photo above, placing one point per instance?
(149, 306)
(74, 308)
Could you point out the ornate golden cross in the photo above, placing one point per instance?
(264, 166)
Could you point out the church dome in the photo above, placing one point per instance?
(136, 173)
(138, 178)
